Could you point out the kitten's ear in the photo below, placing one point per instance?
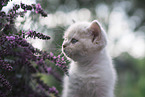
(95, 29)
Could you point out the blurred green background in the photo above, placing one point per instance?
(123, 20)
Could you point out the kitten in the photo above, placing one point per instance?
(91, 73)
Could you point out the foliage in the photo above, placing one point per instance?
(20, 62)
(132, 78)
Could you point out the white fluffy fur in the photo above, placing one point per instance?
(91, 73)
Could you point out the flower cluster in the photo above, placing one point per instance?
(5, 65)
(3, 3)
(46, 88)
(59, 62)
(6, 86)
(13, 13)
(20, 61)
(36, 7)
(34, 34)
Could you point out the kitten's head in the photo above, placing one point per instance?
(83, 39)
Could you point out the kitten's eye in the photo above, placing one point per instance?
(73, 41)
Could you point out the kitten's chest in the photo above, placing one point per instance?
(83, 80)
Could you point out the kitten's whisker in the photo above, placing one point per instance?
(55, 49)
(58, 44)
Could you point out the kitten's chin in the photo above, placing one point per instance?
(73, 57)
(69, 56)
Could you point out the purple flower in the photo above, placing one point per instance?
(38, 6)
(34, 34)
(58, 56)
(47, 88)
(62, 59)
(28, 32)
(29, 7)
(53, 90)
(51, 54)
(54, 57)
(40, 62)
(25, 10)
(16, 7)
(36, 11)
(49, 69)
(5, 83)
(4, 65)
(39, 10)
(10, 37)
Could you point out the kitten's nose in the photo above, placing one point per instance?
(64, 46)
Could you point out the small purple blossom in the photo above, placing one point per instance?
(4, 65)
(53, 90)
(54, 57)
(47, 88)
(36, 11)
(58, 56)
(38, 6)
(62, 58)
(29, 7)
(34, 34)
(40, 62)
(40, 10)
(51, 54)
(10, 37)
(5, 85)
(49, 69)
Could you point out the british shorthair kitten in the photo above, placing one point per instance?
(91, 73)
